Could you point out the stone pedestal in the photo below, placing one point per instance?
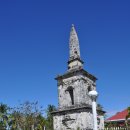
(73, 119)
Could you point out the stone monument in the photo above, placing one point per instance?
(75, 105)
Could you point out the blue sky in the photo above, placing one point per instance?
(34, 48)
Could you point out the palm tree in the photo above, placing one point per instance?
(100, 107)
(40, 122)
(3, 116)
(49, 120)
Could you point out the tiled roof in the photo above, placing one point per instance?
(119, 116)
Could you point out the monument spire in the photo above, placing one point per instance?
(75, 89)
(74, 44)
(75, 61)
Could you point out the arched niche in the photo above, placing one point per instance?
(70, 89)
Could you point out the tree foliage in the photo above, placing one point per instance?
(49, 118)
(100, 107)
(3, 116)
(26, 116)
(127, 118)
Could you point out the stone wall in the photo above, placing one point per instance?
(80, 85)
(73, 121)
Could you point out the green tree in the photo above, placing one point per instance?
(49, 119)
(127, 117)
(16, 120)
(3, 116)
(41, 122)
(100, 107)
(27, 116)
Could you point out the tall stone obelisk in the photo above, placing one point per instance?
(75, 105)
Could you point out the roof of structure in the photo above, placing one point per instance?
(119, 116)
(70, 73)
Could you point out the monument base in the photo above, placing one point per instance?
(79, 118)
(73, 119)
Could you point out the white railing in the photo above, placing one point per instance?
(116, 128)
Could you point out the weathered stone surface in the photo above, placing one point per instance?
(75, 106)
(74, 58)
(80, 85)
(73, 121)
(74, 44)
